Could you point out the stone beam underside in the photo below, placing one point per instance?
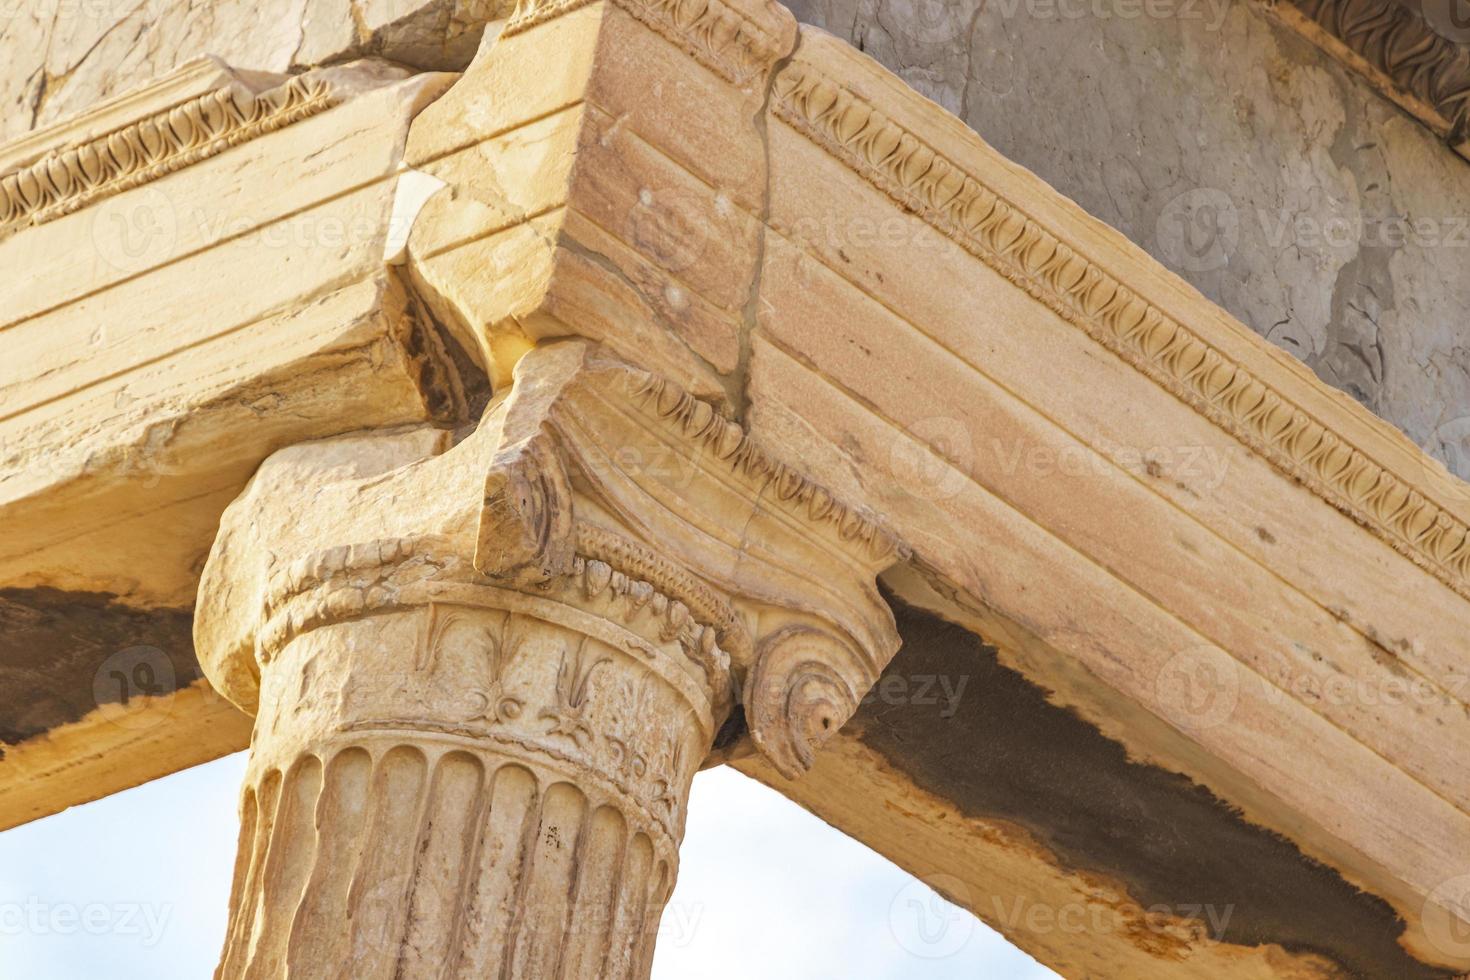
(1224, 606)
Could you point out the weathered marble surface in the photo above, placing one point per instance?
(60, 56)
(1176, 558)
(1240, 156)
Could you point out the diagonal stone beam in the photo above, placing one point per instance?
(1149, 511)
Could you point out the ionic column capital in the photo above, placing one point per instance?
(589, 471)
(485, 670)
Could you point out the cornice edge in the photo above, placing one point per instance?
(1081, 291)
(697, 421)
(1423, 71)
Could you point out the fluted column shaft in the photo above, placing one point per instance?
(477, 782)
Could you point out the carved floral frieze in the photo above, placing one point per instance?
(1427, 62)
(70, 179)
(719, 35)
(1003, 235)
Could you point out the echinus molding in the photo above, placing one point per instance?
(495, 729)
(63, 182)
(1010, 241)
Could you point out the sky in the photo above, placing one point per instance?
(135, 886)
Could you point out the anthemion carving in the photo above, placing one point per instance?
(77, 176)
(485, 671)
(1413, 47)
(1001, 234)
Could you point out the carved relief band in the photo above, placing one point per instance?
(485, 671)
(65, 181)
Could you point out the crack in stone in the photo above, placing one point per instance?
(605, 263)
(750, 310)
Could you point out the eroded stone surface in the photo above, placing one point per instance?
(1019, 335)
(1240, 156)
(1081, 797)
(65, 654)
(61, 56)
(492, 669)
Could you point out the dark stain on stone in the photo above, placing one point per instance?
(1004, 752)
(732, 730)
(472, 379)
(63, 654)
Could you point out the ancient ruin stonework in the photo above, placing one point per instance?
(478, 715)
(1240, 156)
(63, 56)
(488, 450)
